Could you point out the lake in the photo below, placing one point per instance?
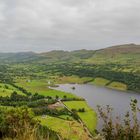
(96, 95)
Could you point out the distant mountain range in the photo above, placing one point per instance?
(128, 53)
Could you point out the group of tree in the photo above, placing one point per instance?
(18, 124)
(131, 79)
(19, 100)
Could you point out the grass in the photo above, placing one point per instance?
(73, 79)
(67, 129)
(7, 90)
(41, 87)
(100, 81)
(66, 117)
(89, 117)
(118, 86)
(62, 125)
(114, 85)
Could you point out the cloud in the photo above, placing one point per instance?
(42, 25)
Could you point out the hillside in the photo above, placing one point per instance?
(17, 57)
(122, 54)
(127, 52)
(118, 63)
(128, 55)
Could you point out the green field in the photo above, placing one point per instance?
(73, 79)
(100, 81)
(118, 86)
(66, 117)
(97, 81)
(104, 82)
(116, 67)
(67, 129)
(89, 117)
(41, 87)
(7, 90)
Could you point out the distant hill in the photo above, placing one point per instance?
(117, 63)
(120, 49)
(123, 54)
(17, 57)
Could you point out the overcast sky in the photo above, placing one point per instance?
(43, 25)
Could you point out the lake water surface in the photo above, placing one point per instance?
(96, 95)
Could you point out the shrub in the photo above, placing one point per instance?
(114, 129)
(18, 124)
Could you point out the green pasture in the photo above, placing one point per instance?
(7, 90)
(100, 81)
(118, 86)
(89, 117)
(41, 87)
(114, 85)
(73, 79)
(67, 129)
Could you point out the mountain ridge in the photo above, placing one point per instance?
(112, 52)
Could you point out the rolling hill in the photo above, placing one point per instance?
(122, 54)
(117, 63)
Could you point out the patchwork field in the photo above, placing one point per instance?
(41, 87)
(89, 117)
(7, 90)
(33, 74)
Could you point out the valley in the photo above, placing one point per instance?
(31, 80)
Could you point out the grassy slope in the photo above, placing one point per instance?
(100, 81)
(73, 79)
(123, 54)
(67, 129)
(104, 82)
(118, 86)
(8, 91)
(128, 54)
(89, 117)
(41, 87)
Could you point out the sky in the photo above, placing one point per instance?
(44, 25)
